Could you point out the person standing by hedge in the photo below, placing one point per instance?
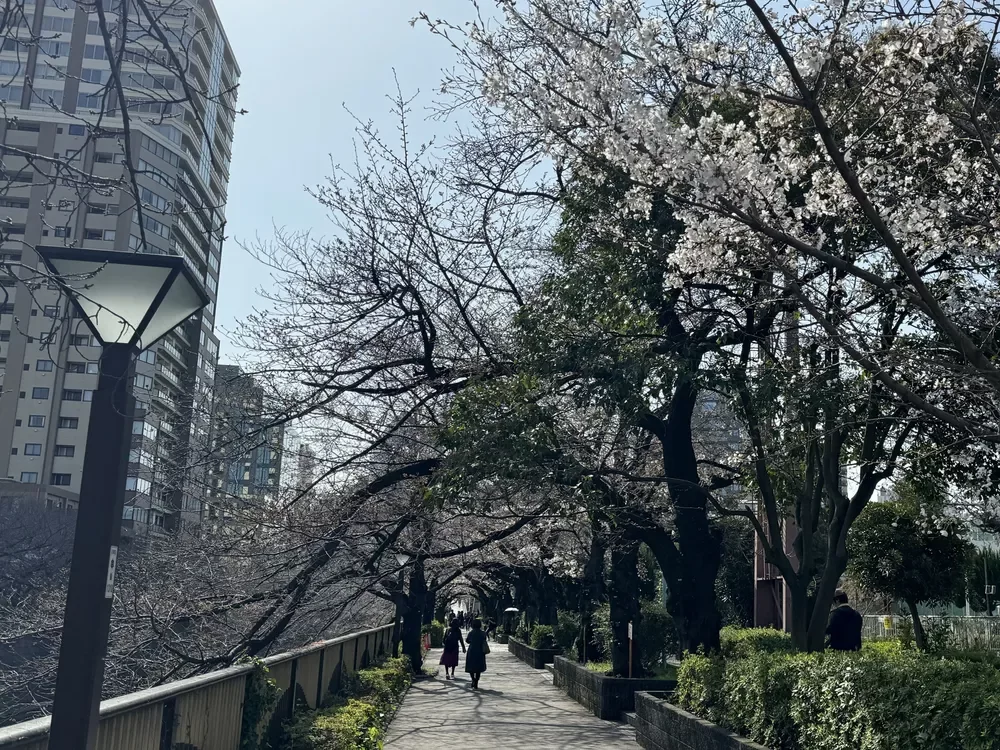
(845, 625)
(475, 657)
(449, 657)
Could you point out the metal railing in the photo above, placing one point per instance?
(976, 633)
(206, 712)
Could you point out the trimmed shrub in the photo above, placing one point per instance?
(436, 630)
(737, 643)
(567, 631)
(700, 682)
(887, 697)
(357, 717)
(542, 636)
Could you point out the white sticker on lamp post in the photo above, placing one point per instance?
(109, 586)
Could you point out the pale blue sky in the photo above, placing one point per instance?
(301, 62)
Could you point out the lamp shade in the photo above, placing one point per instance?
(126, 298)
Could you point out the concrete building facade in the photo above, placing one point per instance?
(60, 107)
(247, 452)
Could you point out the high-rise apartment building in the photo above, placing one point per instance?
(63, 182)
(247, 451)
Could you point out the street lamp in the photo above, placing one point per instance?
(403, 559)
(128, 301)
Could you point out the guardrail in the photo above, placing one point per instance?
(206, 712)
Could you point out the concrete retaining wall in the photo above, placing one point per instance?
(533, 657)
(606, 697)
(660, 725)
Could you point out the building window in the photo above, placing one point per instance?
(79, 340)
(69, 423)
(76, 367)
(77, 130)
(62, 480)
(72, 394)
(148, 356)
(36, 420)
(40, 393)
(143, 381)
(4, 335)
(44, 365)
(32, 449)
(51, 311)
(88, 395)
(138, 484)
(29, 477)
(67, 451)
(63, 232)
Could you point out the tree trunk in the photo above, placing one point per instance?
(822, 602)
(591, 592)
(623, 598)
(919, 635)
(698, 543)
(430, 602)
(798, 618)
(412, 619)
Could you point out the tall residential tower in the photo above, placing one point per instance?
(64, 147)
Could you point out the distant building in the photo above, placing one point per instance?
(306, 467)
(246, 451)
(56, 102)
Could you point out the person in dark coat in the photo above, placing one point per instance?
(475, 657)
(844, 629)
(449, 657)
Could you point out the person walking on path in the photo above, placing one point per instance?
(475, 657)
(845, 625)
(449, 657)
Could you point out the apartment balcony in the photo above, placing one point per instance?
(164, 398)
(169, 376)
(173, 351)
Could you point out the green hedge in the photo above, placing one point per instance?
(356, 718)
(741, 642)
(542, 636)
(884, 698)
(436, 630)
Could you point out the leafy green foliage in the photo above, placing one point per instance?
(356, 719)
(886, 697)
(656, 631)
(436, 630)
(260, 697)
(908, 550)
(567, 631)
(742, 642)
(542, 637)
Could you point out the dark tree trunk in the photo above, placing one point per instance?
(412, 620)
(591, 592)
(430, 603)
(919, 634)
(623, 598)
(698, 542)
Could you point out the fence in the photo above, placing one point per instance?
(206, 712)
(980, 633)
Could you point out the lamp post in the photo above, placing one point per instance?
(403, 559)
(128, 301)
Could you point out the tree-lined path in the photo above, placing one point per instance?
(516, 707)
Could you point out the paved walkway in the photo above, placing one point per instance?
(515, 707)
